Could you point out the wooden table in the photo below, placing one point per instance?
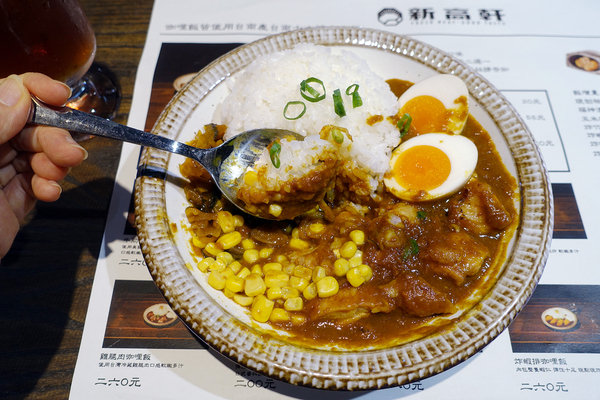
(46, 279)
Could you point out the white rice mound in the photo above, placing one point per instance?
(259, 93)
(306, 153)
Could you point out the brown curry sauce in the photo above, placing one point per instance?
(408, 289)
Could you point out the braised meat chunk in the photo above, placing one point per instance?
(408, 292)
(455, 256)
(479, 210)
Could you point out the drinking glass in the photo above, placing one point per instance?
(54, 37)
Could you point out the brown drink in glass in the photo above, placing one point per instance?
(54, 37)
(48, 36)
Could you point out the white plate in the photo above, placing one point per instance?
(160, 310)
(160, 206)
(559, 316)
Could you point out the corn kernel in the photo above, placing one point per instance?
(248, 244)
(293, 304)
(288, 292)
(254, 285)
(341, 267)
(279, 315)
(275, 210)
(276, 279)
(261, 308)
(229, 240)
(302, 272)
(274, 293)
(238, 221)
(243, 300)
(282, 259)
(225, 257)
(234, 284)
(257, 269)
(250, 177)
(354, 277)
(212, 249)
(310, 292)
(225, 221)
(199, 243)
(235, 266)
(348, 249)
(216, 280)
(316, 227)
(228, 293)
(227, 272)
(298, 319)
(298, 244)
(327, 286)
(289, 268)
(298, 283)
(243, 273)
(205, 263)
(274, 266)
(365, 271)
(295, 233)
(265, 252)
(358, 237)
(356, 260)
(318, 274)
(250, 256)
(218, 265)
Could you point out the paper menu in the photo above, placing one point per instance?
(525, 50)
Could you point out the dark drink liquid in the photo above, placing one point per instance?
(53, 37)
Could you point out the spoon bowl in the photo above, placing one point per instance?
(225, 163)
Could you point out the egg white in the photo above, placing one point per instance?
(462, 154)
(447, 89)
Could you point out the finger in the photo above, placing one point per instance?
(9, 224)
(45, 189)
(43, 167)
(57, 143)
(7, 154)
(19, 195)
(7, 173)
(46, 89)
(14, 107)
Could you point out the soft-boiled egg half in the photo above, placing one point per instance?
(436, 104)
(430, 166)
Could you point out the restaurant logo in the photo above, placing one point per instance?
(389, 17)
(427, 15)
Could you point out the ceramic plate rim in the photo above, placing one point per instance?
(353, 369)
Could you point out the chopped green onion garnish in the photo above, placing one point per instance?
(310, 93)
(421, 214)
(352, 90)
(274, 151)
(412, 249)
(337, 135)
(403, 124)
(338, 103)
(287, 114)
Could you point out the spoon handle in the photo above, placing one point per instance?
(78, 121)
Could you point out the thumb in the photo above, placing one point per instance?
(14, 107)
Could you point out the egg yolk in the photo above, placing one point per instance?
(421, 167)
(428, 114)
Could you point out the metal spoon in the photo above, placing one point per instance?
(225, 163)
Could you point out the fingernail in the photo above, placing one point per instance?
(10, 92)
(57, 185)
(77, 146)
(85, 153)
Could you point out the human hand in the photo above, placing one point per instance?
(32, 158)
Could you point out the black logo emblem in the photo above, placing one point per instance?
(389, 16)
